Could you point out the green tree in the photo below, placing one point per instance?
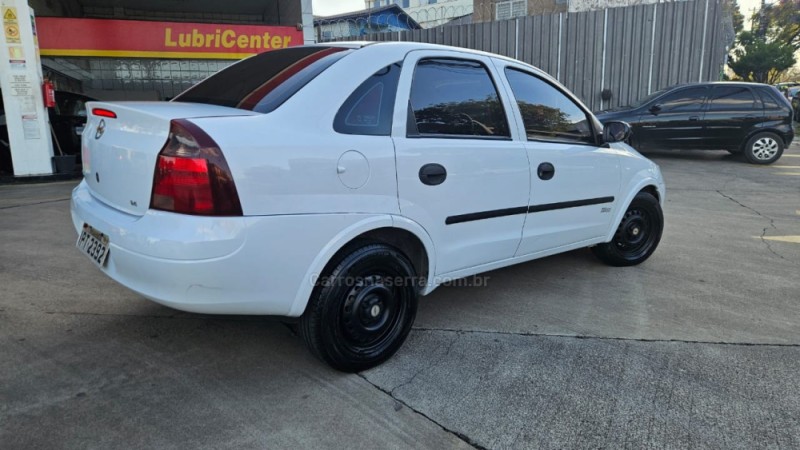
(767, 51)
(783, 18)
(738, 17)
(756, 58)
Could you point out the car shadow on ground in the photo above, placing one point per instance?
(694, 155)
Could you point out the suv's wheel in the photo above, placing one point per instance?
(362, 309)
(763, 148)
(638, 234)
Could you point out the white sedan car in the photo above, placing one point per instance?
(336, 184)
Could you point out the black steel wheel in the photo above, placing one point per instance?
(362, 308)
(637, 234)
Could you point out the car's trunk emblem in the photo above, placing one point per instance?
(101, 128)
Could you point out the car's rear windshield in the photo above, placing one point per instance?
(263, 82)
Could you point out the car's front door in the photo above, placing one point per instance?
(460, 173)
(674, 121)
(574, 182)
(731, 114)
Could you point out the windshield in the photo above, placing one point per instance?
(647, 99)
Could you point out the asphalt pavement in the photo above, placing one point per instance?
(699, 347)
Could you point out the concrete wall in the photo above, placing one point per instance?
(277, 12)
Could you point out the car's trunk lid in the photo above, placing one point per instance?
(119, 154)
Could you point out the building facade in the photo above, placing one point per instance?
(356, 24)
(429, 13)
(488, 10)
(74, 34)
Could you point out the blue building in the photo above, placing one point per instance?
(360, 23)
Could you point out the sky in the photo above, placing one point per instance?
(331, 7)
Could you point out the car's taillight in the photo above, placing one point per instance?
(104, 113)
(192, 176)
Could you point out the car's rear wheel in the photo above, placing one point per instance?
(763, 148)
(637, 235)
(362, 308)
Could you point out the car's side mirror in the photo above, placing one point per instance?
(655, 109)
(616, 132)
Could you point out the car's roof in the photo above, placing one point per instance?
(727, 83)
(410, 46)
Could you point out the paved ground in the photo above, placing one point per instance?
(697, 348)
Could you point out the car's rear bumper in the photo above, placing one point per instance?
(217, 265)
(788, 137)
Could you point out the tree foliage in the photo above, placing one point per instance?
(783, 18)
(764, 53)
(738, 17)
(756, 59)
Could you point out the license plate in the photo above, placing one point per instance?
(93, 244)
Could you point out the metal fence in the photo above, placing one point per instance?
(629, 52)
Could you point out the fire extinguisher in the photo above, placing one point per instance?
(49, 94)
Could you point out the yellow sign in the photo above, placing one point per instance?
(9, 14)
(12, 34)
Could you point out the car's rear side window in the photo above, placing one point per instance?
(768, 100)
(455, 98)
(731, 98)
(263, 82)
(369, 108)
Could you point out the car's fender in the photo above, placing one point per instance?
(345, 236)
(644, 177)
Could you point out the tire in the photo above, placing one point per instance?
(637, 235)
(763, 148)
(362, 308)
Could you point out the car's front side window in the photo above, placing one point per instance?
(690, 99)
(547, 113)
(455, 98)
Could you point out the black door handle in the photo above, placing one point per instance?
(546, 171)
(432, 174)
(693, 118)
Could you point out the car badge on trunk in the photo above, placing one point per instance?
(101, 128)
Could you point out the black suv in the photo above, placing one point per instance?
(749, 118)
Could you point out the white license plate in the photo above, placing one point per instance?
(93, 244)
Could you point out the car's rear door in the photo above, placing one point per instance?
(574, 181)
(732, 112)
(674, 121)
(461, 174)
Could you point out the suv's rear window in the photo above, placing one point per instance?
(263, 82)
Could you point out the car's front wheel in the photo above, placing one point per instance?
(362, 308)
(637, 235)
(763, 148)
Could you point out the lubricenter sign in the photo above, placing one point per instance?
(141, 39)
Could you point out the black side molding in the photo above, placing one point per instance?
(572, 204)
(485, 215)
(525, 210)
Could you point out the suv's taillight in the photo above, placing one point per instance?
(192, 176)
